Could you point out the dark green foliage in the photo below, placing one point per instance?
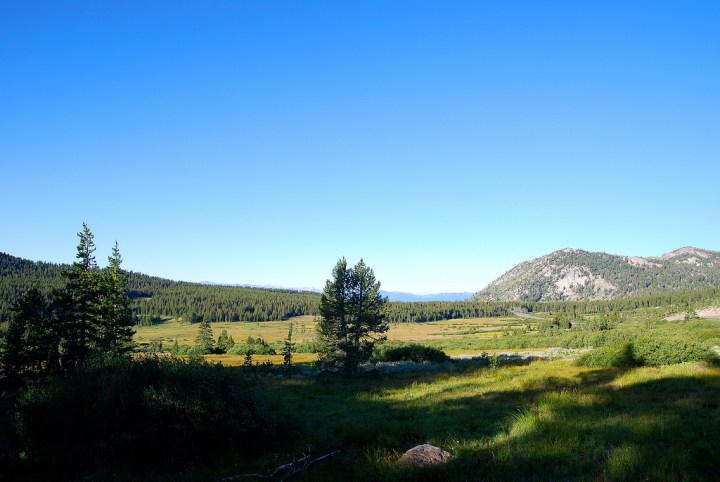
(30, 347)
(352, 318)
(287, 350)
(657, 350)
(420, 312)
(411, 352)
(151, 413)
(155, 299)
(224, 342)
(204, 340)
(89, 314)
(116, 322)
(79, 304)
(611, 356)
(257, 346)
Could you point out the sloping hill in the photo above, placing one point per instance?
(155, 297)
(577, 275)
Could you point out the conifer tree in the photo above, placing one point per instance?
(204, 339)
(80, 303)
(287, 351)
(332, 328)
(30, 348)
(352, 318)
(115, 331)
(223, 342)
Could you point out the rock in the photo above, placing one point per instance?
(424, 455)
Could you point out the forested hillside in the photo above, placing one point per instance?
(577, 275)
(155, 298)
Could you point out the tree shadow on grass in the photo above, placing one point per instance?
(548, 429)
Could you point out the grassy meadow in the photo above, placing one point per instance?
(547, 420)
(460, 336)
(533, 420)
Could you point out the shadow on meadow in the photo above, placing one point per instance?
(515, 424)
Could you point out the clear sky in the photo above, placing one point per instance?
(444, 142)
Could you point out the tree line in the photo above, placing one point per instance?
(154, 299)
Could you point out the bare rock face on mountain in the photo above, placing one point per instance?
(577, 275)
(424, 455)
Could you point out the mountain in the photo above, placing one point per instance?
(577, 275)
(409, 297)
(264, 287)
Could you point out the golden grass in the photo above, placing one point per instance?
(237, 360)
(305, 330)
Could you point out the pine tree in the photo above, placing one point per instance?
(223, 342)
(116, 330)
(80, 303)
(287, 351)
(352, 318)
(248, 361)
(30, 347)
(332, 328)
(204, 339)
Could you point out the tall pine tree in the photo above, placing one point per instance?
(80, 303)
(115, 330)
(352, 318)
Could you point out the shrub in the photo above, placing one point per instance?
(656, 350)
(610, 356)
(153, 412)
(412, 352)
(670, 349)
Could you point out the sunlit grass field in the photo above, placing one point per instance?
(305, 331)
(542, 421)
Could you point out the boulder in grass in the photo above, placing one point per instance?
(424, 455)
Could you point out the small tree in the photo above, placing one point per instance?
(116, 324)
(79, 303)
(248, 361)
(204, 339)
(352, 318)
(223, 342)
(287, 352)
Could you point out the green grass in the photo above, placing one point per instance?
(543, 421)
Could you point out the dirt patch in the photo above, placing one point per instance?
(709, 312)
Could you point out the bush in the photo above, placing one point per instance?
(611, 356)
(670, 349)
(656, 350)
(153, 412)
(412, 352)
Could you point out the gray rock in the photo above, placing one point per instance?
(424, 455)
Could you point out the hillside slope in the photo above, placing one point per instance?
(155, 297)
(577, 275)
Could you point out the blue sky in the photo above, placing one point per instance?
(444, 142)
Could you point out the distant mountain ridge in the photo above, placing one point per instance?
(391, 295)
(577, 275)
(409, 297)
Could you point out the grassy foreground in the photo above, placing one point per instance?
(542, 421)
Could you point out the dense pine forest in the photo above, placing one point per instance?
(154, 299)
